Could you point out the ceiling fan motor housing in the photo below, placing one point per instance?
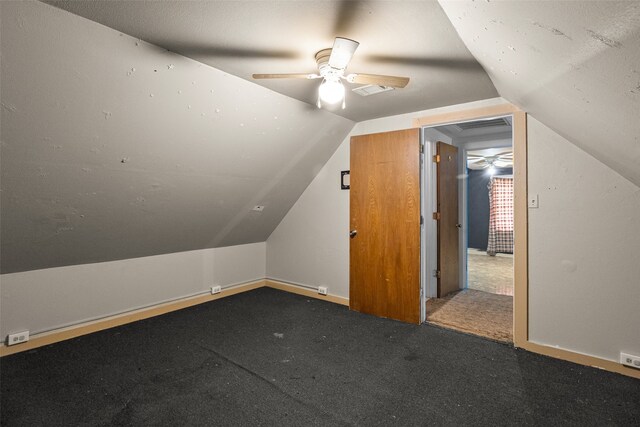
(324, 69)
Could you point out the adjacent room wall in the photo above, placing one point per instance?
(42, 300)
(478, 206)
(584, 242)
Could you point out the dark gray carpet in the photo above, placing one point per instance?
(271, 358)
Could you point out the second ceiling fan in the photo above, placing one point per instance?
(476, 160)
(332, 63)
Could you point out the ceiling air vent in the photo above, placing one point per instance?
(371, 89)
(483, 124)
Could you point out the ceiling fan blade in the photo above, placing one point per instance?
(286, 76)
(346, 15)
(503, 164)
(342, 52)
(477, 162)
(431, 62)
(477, 166)
(375, 79)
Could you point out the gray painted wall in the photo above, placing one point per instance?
(113, 148)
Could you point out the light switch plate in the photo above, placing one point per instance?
(533, 200)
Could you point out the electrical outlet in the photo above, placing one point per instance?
(216, 290)
(533, 200)
(322, 290)
(18, 337)
(630, 360)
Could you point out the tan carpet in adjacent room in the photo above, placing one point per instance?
(476, 312)
(490, 273)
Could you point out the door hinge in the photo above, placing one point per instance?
(436, 273)
(421, 148)
(436, 158)
(436, 216)
(421, 220)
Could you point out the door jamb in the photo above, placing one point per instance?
(423, 225)
(520, 262)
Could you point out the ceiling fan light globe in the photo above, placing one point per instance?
(331, 92)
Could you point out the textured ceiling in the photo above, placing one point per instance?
(413, 39)
(573, 65)
(112, 148)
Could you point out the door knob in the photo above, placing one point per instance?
(353, 233)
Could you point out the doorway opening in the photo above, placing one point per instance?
(478, 299)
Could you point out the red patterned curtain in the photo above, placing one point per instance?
(500, 216)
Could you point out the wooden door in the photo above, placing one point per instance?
(384, 273)
(448, 222)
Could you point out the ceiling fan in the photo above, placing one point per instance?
(479, 162)
(332, 63)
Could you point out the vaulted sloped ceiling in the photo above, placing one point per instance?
(114, 148)
(413, 39)
(115, 145)
(574, 65)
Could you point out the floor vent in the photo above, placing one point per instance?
(371, 90)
